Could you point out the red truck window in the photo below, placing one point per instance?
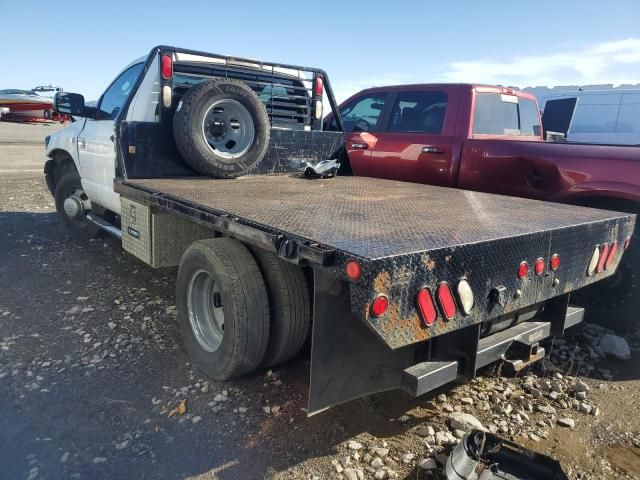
(418, 112)
(497, 114)
(362, 113)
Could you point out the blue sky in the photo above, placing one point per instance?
(82, 45)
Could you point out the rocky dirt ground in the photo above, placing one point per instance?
(91, 367)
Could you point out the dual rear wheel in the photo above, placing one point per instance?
(239, 309)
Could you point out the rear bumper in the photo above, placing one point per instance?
(349, 360)
(518, 346)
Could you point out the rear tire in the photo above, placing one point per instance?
(67, 185)
(290, 307)
(221, 128)
(220, 276)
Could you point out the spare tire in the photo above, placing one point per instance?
(221, 128)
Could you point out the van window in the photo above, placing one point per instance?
(557, 114)
(595, 118)
(420, 112)
(497, 114)
(629, 115)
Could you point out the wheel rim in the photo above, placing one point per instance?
(206, 314)
(76, 205)
(228, 128)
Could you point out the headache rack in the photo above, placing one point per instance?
(288, 92)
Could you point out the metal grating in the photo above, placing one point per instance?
(375, 218)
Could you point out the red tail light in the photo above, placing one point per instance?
(319, 86)
(555, 262)
(426, 307)
(354, 271)
(446, 301)
(612, 255)
(167, 67)
(523, 269)
(539, 266)
(379, 305)
(604, 253)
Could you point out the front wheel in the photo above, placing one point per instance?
(223, 309)
(72, 204)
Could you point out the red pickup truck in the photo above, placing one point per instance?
(490, 139)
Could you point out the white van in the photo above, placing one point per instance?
(594, 116)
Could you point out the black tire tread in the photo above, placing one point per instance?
(187, 139)
(244, 286)
(290, 307)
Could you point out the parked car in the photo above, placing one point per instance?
(398, 287)
(596, 116)
(489, 139)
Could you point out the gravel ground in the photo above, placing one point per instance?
(91, 367)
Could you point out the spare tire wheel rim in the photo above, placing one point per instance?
(228, 128)
(206, 315)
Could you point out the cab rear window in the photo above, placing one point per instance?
(498, 114)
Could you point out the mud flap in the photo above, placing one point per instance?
(348, 360)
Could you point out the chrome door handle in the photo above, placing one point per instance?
(359, 146)
(431, 149)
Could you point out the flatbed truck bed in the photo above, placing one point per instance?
(404, 237)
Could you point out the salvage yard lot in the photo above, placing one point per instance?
(91, 366)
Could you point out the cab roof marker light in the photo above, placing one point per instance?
(465, 294)
(593, 263)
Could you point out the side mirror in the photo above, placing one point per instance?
(69, 104)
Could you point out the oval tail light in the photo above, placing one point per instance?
(593, 263)
(612, 255)
(319, 86)
(554, 263)
(167, 67)
(446, 301)
(353, 270)
(604, 252)
(426, 307)
(465, 295)
(538, 267)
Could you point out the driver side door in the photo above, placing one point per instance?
(96, 141)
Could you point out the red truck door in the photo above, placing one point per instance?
(361, 118)
(415, 144)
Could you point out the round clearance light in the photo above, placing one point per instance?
(379, 305)
(446, 301)
(612, 255)
(538, 267)
(354, 271)
(426, 306)
(554, 263)
(604, 252)
(523, 269)
(465, 294)
(593, 263)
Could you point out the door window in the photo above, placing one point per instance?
(116, 95)
(363, 113)
(497, 114)
(418, 112)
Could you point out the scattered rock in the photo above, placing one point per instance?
(566, 422)
(353, 445)
(380, 475)
(425, 431)
(464, 421)
(408, 457)
(64, 458)
(196, 419)
(428, 464)
(99, 460)
(615, 346)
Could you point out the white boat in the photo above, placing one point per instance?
(26, 104)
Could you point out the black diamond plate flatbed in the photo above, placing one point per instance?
(406, 236)
(374, 218)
